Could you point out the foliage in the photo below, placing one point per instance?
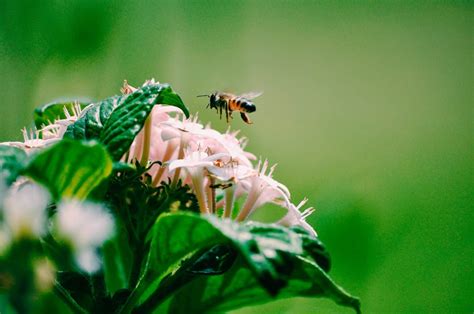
(164, 255)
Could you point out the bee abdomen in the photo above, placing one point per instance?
(240, 104)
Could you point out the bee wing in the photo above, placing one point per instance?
(226, 95)
(251, 95)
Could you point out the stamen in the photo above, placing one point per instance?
(307, 212)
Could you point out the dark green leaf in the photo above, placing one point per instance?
(48, 113)
(214, 261)
(97, 116)
(272, 264)
(176, 236)
(12, 161)
(71, 169)
(314, 248)
(116, 121)
(90, 124)
(238, 287)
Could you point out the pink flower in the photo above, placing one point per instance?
(262, 188)
(296, 218)
(195, 164)
(32, 141)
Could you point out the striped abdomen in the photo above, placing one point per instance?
(241, 104)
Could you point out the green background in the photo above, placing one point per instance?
(368, 110)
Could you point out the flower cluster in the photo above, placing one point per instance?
(215, 165)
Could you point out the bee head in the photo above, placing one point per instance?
(213, 101)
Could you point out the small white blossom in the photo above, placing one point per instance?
(24, 210)
(85, 226)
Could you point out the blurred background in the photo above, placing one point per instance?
(367, 109)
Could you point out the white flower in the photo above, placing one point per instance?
(262, 188)
(24, 210)
(144, 145)
(31, 141)
(194, 164)
(85, 226)
(294, 217)
(230, 176)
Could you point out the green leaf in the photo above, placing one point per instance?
(71, 169)
(117, 259)
(48, 113)
(271, 263)
(116, 121)
(12, 161)
(266, 247)
(213, 261)
(96, 117)
(238, 287)
(176, 236)
(314, 248)
(92, 121)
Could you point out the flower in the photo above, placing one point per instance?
(24, 210)
(262, 188)
(294, 217)
(32, 141)
(195, 163)
(214, 164)
(85, 226)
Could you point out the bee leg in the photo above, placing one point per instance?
(220, 113)
(245, 117)
(227, 113)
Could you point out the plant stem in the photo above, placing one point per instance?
(146, 142)
(136, 266)
(167, 155)
(212, 195)
(182, 145)
(229, 201)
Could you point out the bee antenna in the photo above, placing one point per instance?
(203, 96)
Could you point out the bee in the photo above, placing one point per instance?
(226, 102)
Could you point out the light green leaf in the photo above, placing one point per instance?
(117, 260)
(71, 169)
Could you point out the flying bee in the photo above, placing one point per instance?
(228, 103)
